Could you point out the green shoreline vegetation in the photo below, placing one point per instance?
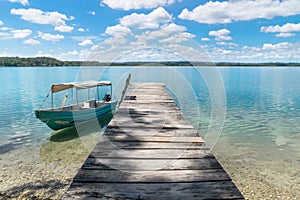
(48, 61)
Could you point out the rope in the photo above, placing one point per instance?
(44, 99)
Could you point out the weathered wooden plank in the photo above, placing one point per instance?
(130, 105)
(151, 123)
(129, 115)
(169, 164)
(148, 113)
(140, 131)
(146, 84)
(119, 153)
(157, 92)
(151, 145)
(146, 116)
(161, 176)
(159, 107)
(158, 123)
(146, 96)
(164, 96)
(144, 109)
(158, 102)
(147, 91)
(168, 120)
(143, 164)
(162, 191)
(166, 139)
(129, 142)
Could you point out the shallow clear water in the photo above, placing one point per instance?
(259, 146)
(260, 136)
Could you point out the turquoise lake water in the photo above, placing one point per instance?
(260, 131)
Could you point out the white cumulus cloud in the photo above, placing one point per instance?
(169, 29)
(42, 54)
(143, 21)
(37, 16)
(285, 35)
(117, 30)
(222, 34)
(1, 23)
(243, 10)
(86, 42)
(63, 28)
(165, 31)
(97, 47)
(286, 28)
(280, 46)
(73, 52)
(21, 33)
(50, 37)
(115, 41)
(82, 30)
(5, 29)
(227, 44)
(205, 39)
(32, 42)
(23, 2)
(177, 38)
(268, 52)
(70, 55)
(135, 4)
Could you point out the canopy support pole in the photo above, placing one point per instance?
(72, 98)
(77, 97)
(52, 100)
(111, 90)
(98, 93)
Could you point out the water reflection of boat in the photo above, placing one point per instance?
(79, 113)
(72, 144)
(81, 130)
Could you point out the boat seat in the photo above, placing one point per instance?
(93, 104)
(86, 105)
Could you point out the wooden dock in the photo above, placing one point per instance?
(150, 151)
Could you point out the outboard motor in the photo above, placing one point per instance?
(107, 97)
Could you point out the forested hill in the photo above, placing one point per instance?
(47, 61)
(37, 61)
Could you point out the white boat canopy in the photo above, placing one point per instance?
(78, 85)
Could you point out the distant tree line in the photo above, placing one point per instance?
(48, 61)
(36, 62)
(20, 62)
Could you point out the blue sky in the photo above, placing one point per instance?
(144, 30)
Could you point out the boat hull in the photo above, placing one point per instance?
(57, 120)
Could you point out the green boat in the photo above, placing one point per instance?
(79, 112)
